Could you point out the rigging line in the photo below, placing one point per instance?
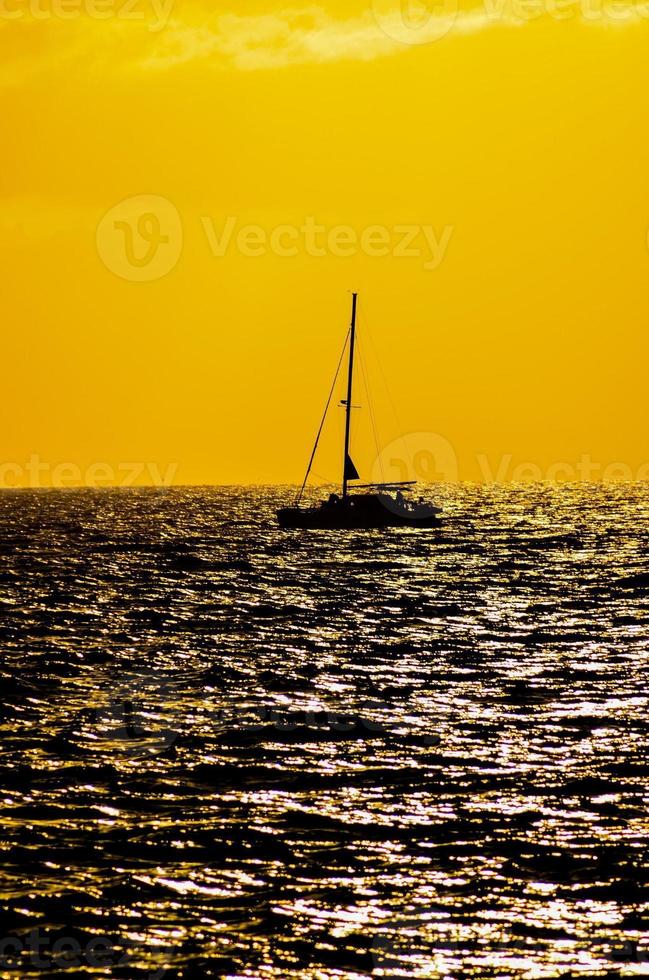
(322, 422)
(402, 436)
(370, 407)
(371, 410)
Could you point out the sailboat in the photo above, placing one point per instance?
(379, 505)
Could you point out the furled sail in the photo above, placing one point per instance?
(351, 473)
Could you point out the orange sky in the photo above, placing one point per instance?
(509, 139)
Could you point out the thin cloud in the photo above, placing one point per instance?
(310, 35)
(295, 36)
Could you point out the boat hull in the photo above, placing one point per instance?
(359, 514)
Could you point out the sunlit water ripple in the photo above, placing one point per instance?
(230, 750)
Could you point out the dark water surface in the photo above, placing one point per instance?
(229, 750)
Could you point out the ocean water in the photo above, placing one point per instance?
(234, 751)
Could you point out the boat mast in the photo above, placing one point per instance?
(348, 403)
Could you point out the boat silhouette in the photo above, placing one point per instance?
(380, 505)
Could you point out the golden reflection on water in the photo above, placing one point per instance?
(282, 755)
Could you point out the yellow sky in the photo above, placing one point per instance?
(507, 140)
